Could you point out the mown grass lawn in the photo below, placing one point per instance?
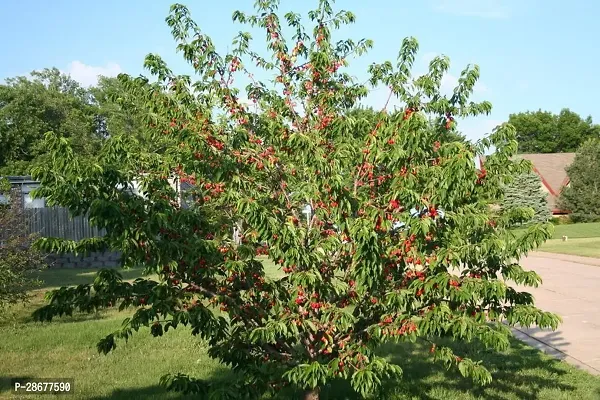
(66, 349)
(583, 240)
(586, 247)
(588, 230)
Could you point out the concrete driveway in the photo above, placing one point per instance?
(571, 289)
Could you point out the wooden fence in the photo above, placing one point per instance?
(56, 222)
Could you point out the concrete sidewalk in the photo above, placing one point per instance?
(570, 289)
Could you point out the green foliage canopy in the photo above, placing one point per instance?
(30, 107)
(545, 132)
(582, 196)
(49, 100)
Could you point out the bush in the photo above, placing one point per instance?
(561, 220)
(18, 259)
(582, 196)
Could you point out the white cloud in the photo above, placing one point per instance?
(426, 58)
(480, 87)
(449, 82)
(378, 97)
(477, 128)
(493, 9)
(87, 75)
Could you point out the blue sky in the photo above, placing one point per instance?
(532, 53)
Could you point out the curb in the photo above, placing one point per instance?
(566, 257)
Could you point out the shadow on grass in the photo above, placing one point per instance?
(543, 339)
(6, 385)
(521, 372)
(220, 377)
(57, 277)
(150, 392)
(24, 317)
(54, 278)
(21, 314)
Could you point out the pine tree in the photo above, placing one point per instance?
(525, 191)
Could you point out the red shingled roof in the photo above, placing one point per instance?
(551, 168)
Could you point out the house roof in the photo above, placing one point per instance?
(552, 170)
(551, 167)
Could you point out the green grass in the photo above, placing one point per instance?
(66, 349)
(54, 278)
(588, 230)
(573, 231)
(583, 240)
(586, 247)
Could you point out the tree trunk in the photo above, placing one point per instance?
(312, 394)
(237, 232)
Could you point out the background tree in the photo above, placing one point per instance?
(526, 191)
(118, 110)
(32, 106)
(544, 132)
(582, 195)
(349, 281)
(52, 101)
(18, 260)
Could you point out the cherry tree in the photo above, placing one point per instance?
(400, 241)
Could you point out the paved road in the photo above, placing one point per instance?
(571, 289)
